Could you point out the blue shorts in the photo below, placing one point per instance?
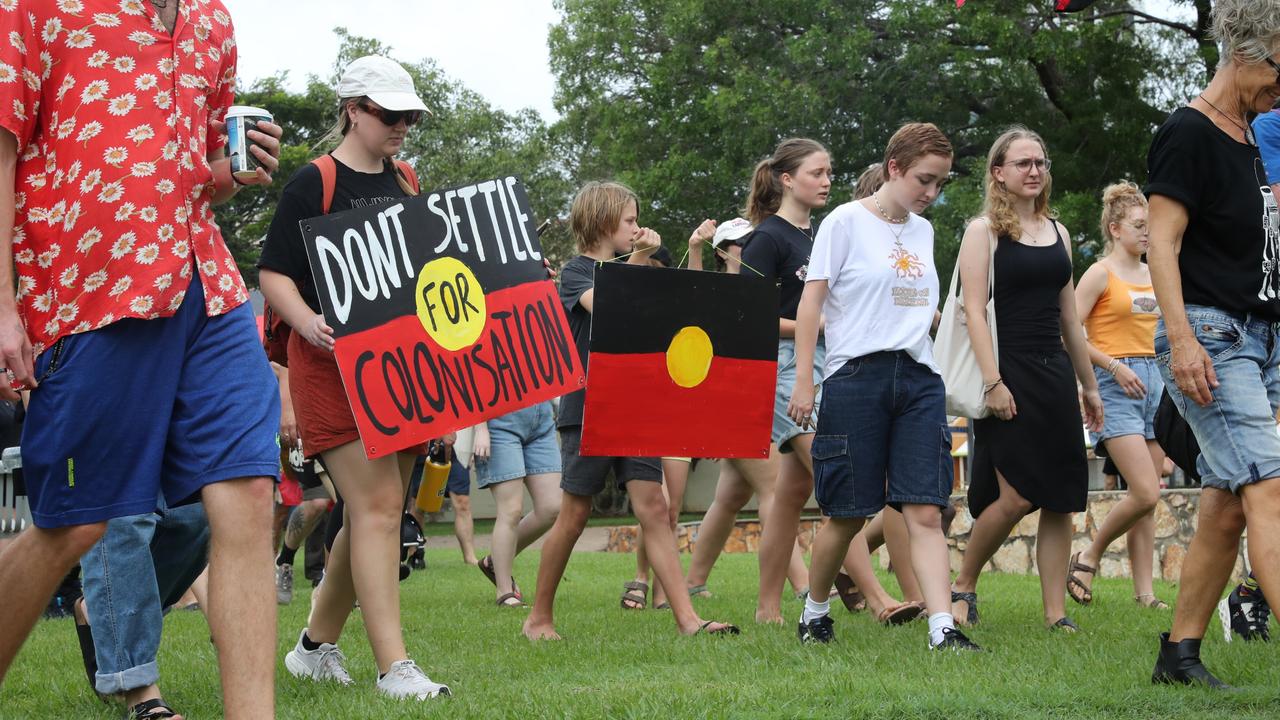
(882, 437)
(1123, 415)
(784, 428)
(141, 408)
(459, 481)
(1237, 431)
(521, 444)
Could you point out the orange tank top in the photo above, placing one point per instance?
(1123, 321)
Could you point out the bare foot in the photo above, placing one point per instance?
(536, 630)
(769, 618)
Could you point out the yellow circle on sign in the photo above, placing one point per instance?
(689, 357)
(450, 303)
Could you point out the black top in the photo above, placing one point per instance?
(1029, 280)
(303, 197)
(1231, 245)
(576, 278)
(780, 251)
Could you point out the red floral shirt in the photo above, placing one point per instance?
(114, 190)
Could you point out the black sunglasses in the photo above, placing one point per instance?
(391, 118)
(1275, 66)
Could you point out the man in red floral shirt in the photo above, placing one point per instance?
(128, 322)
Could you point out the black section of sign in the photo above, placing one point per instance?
(365, 262)
(660, 301)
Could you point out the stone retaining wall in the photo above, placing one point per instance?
(1175, 520)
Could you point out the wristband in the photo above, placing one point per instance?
(986, 389)
(1113, 366)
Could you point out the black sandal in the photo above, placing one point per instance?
(970, 599)
(155, 709)
(724, 631)
(1066, 625)
(502, 601)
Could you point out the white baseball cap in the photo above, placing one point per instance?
(731, 230)
(383, 81)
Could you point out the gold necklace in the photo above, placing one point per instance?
(875, 198)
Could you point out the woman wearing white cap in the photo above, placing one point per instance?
(377, 106)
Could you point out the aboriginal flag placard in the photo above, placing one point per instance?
(442, 311)
(682, 364)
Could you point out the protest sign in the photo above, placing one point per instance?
(442, 312)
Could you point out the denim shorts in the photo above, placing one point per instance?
(521, 444)
(1237, 431)
(784, 428)
(1123, 415)
(882, 437)
(586, 476)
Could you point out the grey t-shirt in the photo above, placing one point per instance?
(576, 278)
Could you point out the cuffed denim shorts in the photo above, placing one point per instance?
(521, 444)
(882, 437)
(784, 428)
(1237, 430)
(1123, 415)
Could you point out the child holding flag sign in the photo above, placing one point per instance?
(603, 220)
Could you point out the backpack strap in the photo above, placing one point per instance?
(328, 180)
(411, 177)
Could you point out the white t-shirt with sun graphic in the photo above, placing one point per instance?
(882, 286)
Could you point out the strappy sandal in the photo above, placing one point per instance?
(1076, 585)
(637, 593)
(970, 599)
(899, 614)
(1066, 625)
(700, 591)
(503, 601)
(852, 598)
(155, 709)
(725, 631)
(487, 569)
(1149, 600)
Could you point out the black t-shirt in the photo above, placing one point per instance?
(780, 251)
(1231, 248)
(576, 278)
(303, 197)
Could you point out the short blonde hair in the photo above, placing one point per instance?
(1246, 30)
(597, 211)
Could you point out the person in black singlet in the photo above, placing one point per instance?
(1028, 453)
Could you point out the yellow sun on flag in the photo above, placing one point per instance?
(689, 356)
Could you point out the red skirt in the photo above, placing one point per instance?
(320, 403)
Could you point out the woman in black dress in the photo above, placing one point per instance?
(1029, 452)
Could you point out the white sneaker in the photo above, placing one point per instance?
(406, 680)
(323, 663)
(284, 584)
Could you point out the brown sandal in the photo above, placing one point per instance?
(849, 594)
(899, 614)
(1076, 585)
(635, 592)
(502, 601)
(1148, 600)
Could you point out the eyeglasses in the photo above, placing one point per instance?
(391, 118)
(1024, 165)
(1275, 66)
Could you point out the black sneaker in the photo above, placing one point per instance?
(953, 639)
(1245, 612)
(1179, 664)
(817, 630)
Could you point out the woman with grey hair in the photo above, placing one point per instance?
(1215, 237)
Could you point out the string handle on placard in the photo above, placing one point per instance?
(727, 257)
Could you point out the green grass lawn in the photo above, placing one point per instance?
(626, 664)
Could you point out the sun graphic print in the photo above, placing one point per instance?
(907, 264)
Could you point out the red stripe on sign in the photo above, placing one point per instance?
(405, 389)
(634, 408)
